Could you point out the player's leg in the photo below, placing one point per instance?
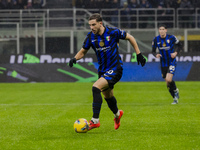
(111, 101)
(167, 78)
(170, 83)
(105, 84)
(112, 104)
(113, 76)
(98, 86)
(172, 87)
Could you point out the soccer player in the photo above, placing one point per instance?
(167, 53)
(104, 41)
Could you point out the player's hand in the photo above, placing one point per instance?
(173, 55)
(141, 59)
(72, 61)
(158, 55)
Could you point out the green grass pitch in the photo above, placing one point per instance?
(41, 116)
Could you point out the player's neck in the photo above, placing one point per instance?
(163, 36)
(102, 29)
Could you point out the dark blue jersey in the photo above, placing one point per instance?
(106, 47)
(166, 47)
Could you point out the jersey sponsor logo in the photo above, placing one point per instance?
(165, 48)
(104, 48)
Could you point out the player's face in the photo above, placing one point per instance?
(95, 26)
(162, 31)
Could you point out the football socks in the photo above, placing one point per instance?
(112, 104)
(97, 101)
(172, 88)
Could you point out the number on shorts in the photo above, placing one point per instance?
(172, 68)
(110, 71)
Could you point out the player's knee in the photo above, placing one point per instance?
(170, 85)
(108, 95)
(168, 81)
(95, 90)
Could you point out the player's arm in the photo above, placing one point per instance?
(78, 56)
(140, 58)
(154, 51)
(133, 42)
(154, 47)
(178, 47)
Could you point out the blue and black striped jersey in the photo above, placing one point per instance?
(166, 47)
(106, 47)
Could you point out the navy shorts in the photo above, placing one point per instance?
(112, 76)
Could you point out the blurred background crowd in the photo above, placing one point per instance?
(33, 15)
(110, 10)
(89, 4)
(21, 4)
(98, 4)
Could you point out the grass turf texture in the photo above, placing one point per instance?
(41, 116)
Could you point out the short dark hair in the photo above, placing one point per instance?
(162, 25)
(96, 16)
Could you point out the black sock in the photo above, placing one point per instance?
(171, 87)
(112, 104)
(97, 101)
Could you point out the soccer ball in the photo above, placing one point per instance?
(81, 125)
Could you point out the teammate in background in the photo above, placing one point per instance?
(166, 44)
(104, 41)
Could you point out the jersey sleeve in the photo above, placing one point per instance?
(121, 34)
(154, 46)
(175, 40)
(178, 45)
(154, 43)
(87, 42)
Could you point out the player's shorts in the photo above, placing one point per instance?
(112, 76)
(171, 69)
